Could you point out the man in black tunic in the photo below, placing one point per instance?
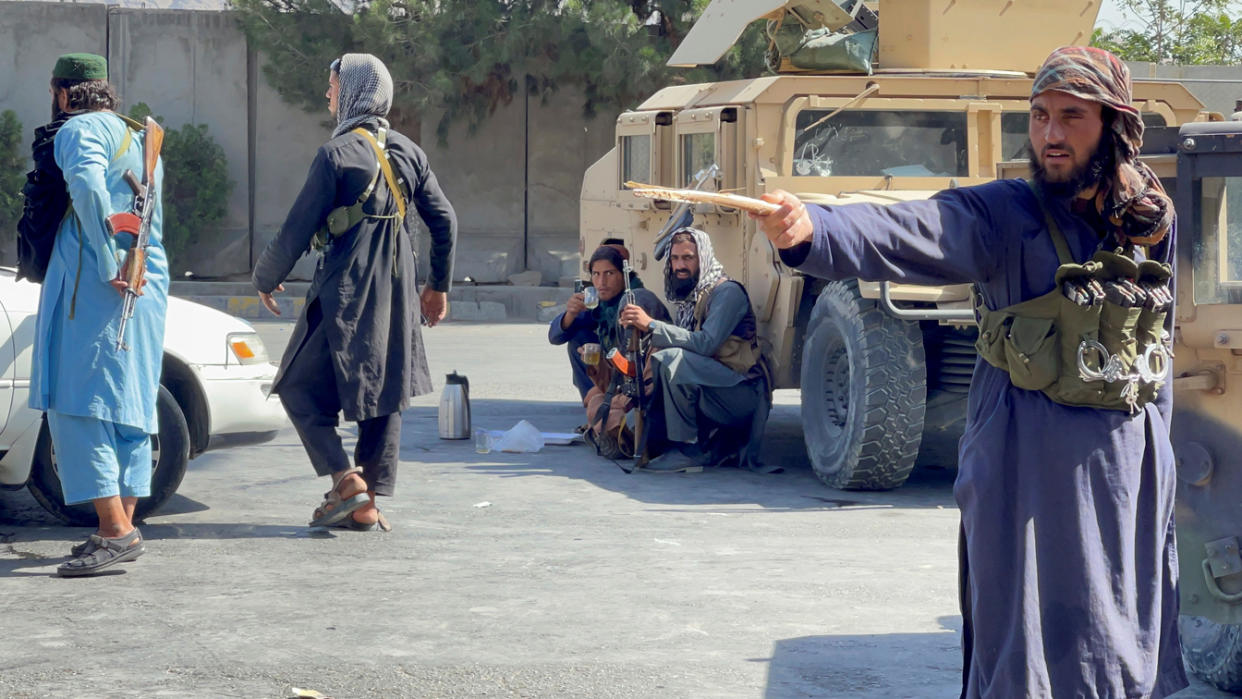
(357, 348)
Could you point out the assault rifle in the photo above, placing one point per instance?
(138, 224)
(630, 365)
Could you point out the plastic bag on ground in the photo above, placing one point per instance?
(521, 438)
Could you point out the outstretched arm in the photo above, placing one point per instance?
(950, 238)
(308, 213)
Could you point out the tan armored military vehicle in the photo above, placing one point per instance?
(1207, 399)
(883, 368)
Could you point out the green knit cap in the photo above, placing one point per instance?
(81, 66)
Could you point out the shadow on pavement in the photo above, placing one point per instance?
(845, 666)
(796, 489)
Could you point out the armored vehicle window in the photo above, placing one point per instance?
(1014, 135)
(636, 159)
(1217, 252)
(876, 142)
(1015, 127)
(698, 151)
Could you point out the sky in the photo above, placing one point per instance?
(1112, 17)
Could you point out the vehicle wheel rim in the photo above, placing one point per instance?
(837, 386)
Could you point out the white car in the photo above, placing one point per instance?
(215, 384)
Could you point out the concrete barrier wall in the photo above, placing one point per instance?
(32, 35)
(515, 182)
(190, 68)
(1216, 86)
(286, 139)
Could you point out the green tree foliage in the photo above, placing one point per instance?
(196, 186)
(468, 57)
(13, 166)
(1195, 32)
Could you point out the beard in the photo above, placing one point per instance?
(683, 287)
(1088, 174)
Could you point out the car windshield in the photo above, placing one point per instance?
(867, 142)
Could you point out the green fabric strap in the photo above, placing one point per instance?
(1058, 238)
(73, 300)
(126, 140)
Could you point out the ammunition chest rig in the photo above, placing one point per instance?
(1096, 340)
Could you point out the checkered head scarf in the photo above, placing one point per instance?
(711, 273)
(365, 93)
(1130, 198)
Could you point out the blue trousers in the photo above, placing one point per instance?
(98, 459)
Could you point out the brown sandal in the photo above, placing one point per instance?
(335, 506)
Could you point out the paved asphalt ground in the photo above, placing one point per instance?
(508, 575)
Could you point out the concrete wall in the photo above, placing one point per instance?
(32, 35)
(1216, 86)
(284, 145)
(514, 183)
(190, 68)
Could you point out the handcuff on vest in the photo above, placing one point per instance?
(1096, 340)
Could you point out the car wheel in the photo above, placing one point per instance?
(1213, 651)
(864, 391)
(170, 453)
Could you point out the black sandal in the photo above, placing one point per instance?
(103, 552)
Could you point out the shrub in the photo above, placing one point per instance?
(13, 166)
(196, 186)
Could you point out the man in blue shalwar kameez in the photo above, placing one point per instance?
(1068, 559)
(100, 401)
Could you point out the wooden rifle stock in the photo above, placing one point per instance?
(138, 224)
(151, 145)
(135, 269)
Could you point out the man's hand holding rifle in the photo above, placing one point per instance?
(132, 275)
(639, 322)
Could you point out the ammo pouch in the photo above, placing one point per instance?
(343, 218)
(1097, 354)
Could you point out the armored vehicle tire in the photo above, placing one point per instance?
(170, 450)
(1213, 651)
(864, 387)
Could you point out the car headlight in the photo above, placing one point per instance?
(247, 348)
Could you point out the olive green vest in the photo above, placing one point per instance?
(343, 218)
(740, 351)
(1098, 355)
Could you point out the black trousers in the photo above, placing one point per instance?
(308, 392)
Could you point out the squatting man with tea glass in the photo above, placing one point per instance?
(592, 331)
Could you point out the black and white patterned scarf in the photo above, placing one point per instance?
(711, 273)
(365, 93)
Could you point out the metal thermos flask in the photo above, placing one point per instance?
(455, 407)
